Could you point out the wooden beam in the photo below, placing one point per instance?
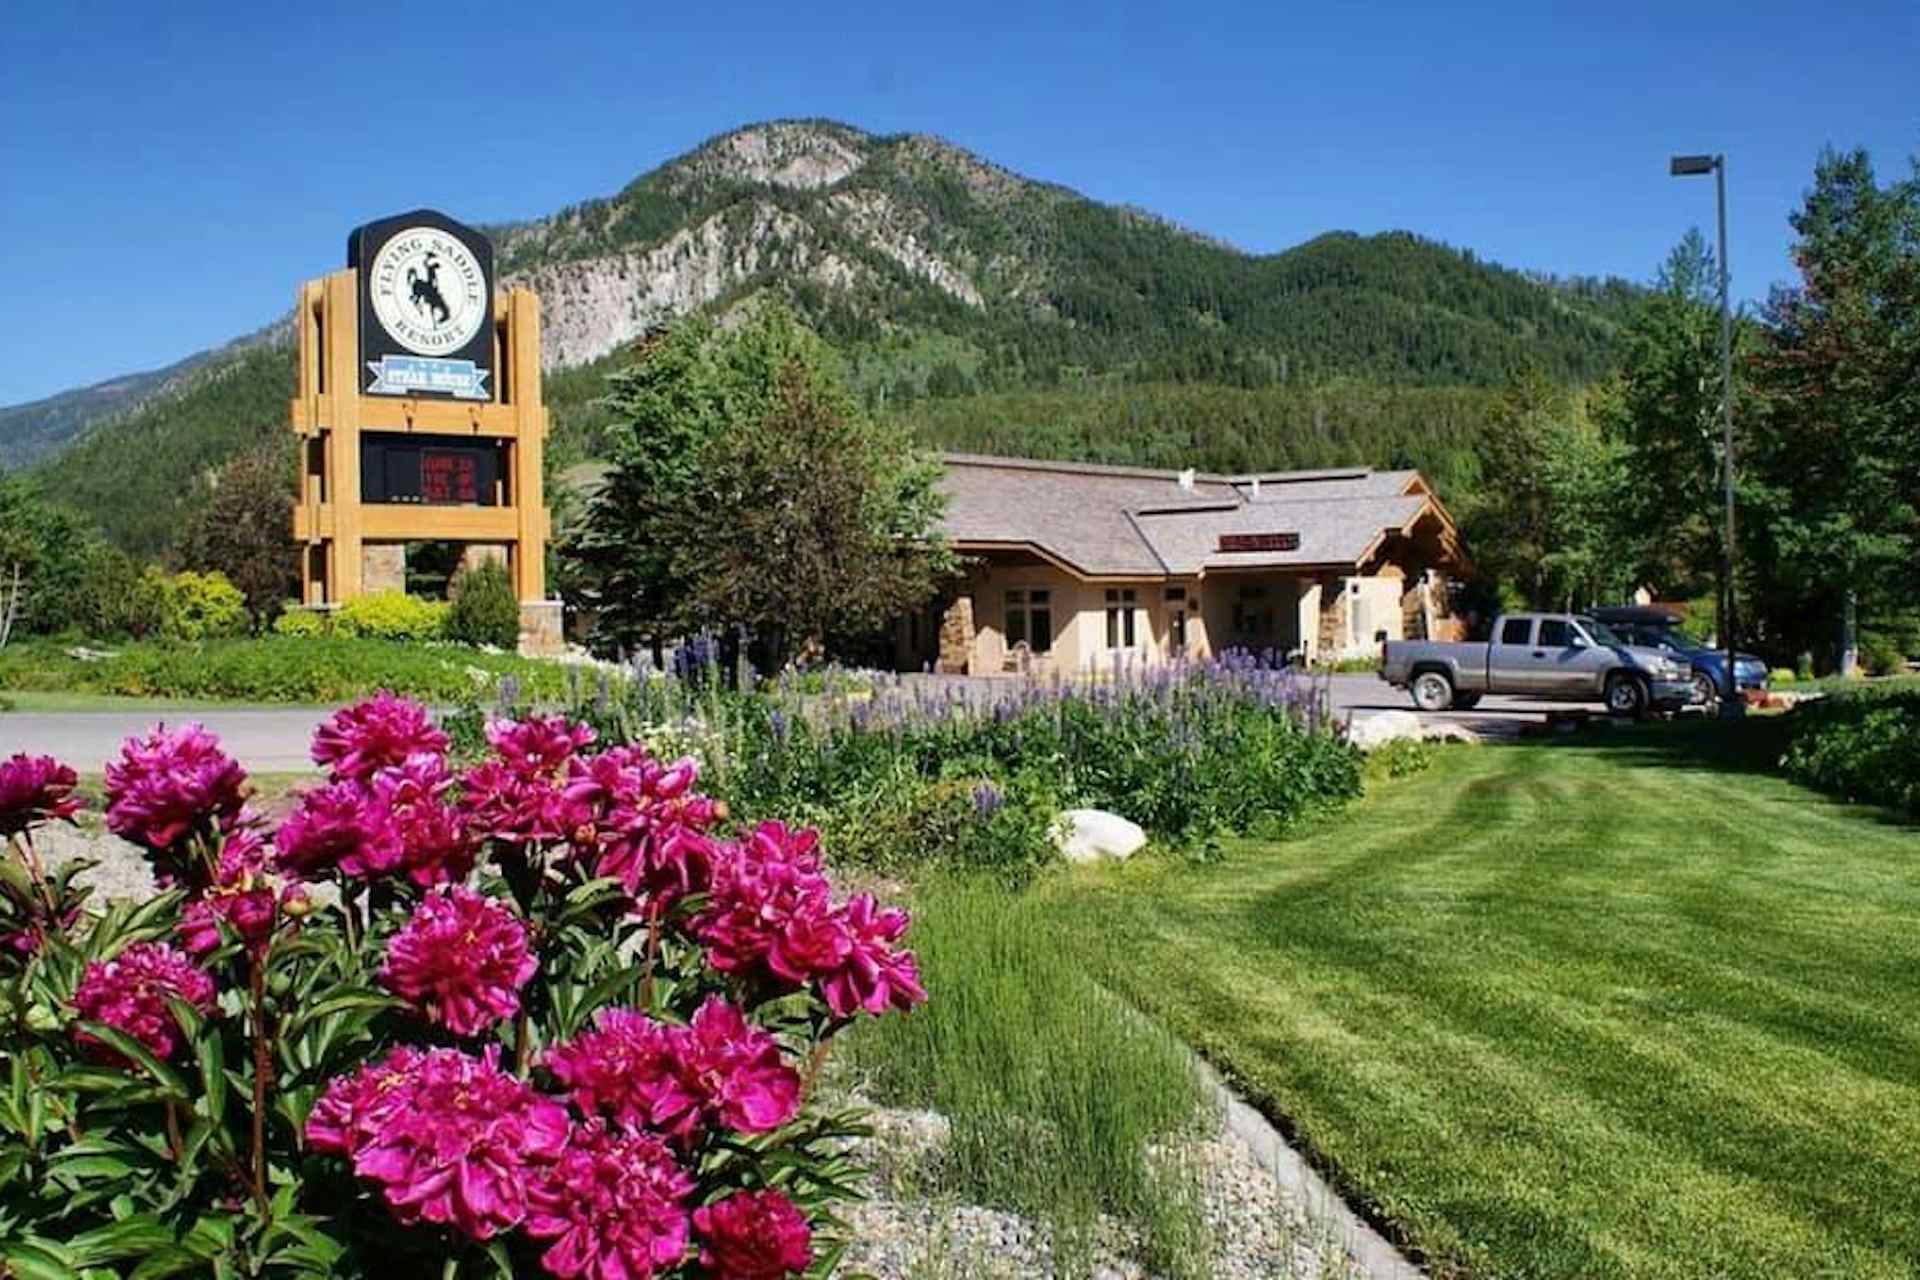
(342, 433)
(529, 554)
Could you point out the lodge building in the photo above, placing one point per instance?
(1075, 568)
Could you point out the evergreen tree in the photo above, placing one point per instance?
(1835, 454)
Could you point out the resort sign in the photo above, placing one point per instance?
(418, 410)
(426, 299)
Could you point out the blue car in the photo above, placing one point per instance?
(1658, 629)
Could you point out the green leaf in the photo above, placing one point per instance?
(164, 1076)
(36, 1260)
(360, 998)
(135, 1237)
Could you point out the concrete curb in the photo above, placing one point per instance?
(1371, 1252)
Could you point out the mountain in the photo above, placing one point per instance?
(946, 281)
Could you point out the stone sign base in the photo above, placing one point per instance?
(540, 630)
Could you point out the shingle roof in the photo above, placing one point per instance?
(1125, 521)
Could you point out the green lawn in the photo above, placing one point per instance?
(1634, 1008)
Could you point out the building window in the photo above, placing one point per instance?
(1030, 619)
(1252, 616)
(1176, 594)
(1120, 619)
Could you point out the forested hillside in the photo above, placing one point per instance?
(992, 312)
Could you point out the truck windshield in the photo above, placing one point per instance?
(1598, 633)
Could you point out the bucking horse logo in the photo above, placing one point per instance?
(425, 291)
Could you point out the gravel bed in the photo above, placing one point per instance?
(909, 1231)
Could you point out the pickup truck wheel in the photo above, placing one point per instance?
(1626, 696)
(1465, 701)
(1432, 691)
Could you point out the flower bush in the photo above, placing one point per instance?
(547, 1012)
(896, 771)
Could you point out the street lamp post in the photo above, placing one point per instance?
(1687, 167)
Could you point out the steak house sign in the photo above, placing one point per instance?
(1259, 542)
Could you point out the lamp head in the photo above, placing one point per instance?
(1689, 166)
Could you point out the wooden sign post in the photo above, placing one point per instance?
(399, 444)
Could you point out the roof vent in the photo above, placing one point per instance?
(1187, 478)
(1256, 488)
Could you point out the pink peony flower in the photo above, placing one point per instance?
(452, 1139)
(501, 804)
(436, 845)
(129, 993)
(356, 1109)
(638, 819)
(35, 790)
(538, 746)
(676, 1079)
(461, 960)
(762, 885)
(383, 731)
(753, 1235)
(622, 1066)
(343, 827)
(168, 788)
(245, 894)
(874, 976)
(737, 1069)
(613, 1205)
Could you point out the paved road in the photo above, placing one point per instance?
(274, 740)
(265, 740)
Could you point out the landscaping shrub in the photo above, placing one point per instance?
(485, 610)
(544, 1015)
(295, 621)
(1783, 675)
(391, 615)
(275, 668)
(1400, 758)
(109, 601)
(1190, 752)
(192, 606)
(1860, 744)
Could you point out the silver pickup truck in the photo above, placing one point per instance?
(1556, 657)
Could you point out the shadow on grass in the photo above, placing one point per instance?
(1752, 745)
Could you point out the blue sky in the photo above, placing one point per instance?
(168, 173)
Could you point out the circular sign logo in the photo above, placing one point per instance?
(428, 291)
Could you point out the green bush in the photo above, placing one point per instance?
(1882, 654)
(296, 621)
(391, 615)
(109, 601)
(485, 610)
(1783, 675)
(191, 606)
(891, 777)
(1400, 758)
(296, 669)
(1860, 744)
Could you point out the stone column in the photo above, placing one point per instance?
(956, 638)
(383, 566)
(475, 554)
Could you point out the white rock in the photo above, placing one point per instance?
(1375, 730)
(1087, 835)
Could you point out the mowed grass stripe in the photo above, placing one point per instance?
(1557, 1011)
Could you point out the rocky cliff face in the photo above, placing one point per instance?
(778, 201)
